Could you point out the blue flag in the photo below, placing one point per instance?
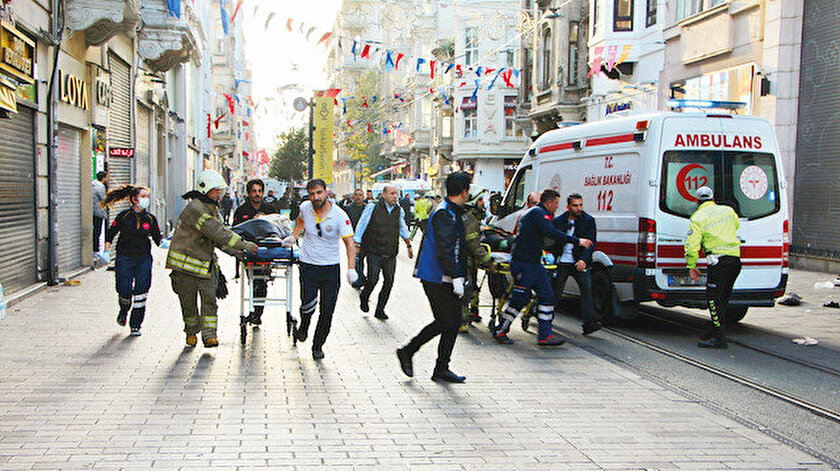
(174, 7)
(225, 17)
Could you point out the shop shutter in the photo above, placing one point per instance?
(119, 133)
(141, 157)
(816, 197)
(69, 177)
(18, 267)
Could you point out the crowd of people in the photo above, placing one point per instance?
(450, 254)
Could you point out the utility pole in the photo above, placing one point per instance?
(311, 136)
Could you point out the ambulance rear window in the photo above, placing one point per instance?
(744, 180)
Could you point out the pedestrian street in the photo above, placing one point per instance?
(76, 392)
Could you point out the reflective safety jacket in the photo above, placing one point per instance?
(422, 208)
(713, 227)
(198, 232)
(479, 255)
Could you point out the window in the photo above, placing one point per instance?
(623, 15)
(574, 34)
(426, 113)
(470, 118)
(510, 116)
(650, 18)
(446, 126)
(686, 8)
(470, 46)
(744, 180)
(510, 57)
(545, 63)
(595, 18)
(527, 74)
(518, 190)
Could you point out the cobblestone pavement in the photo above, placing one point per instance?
(77, 393)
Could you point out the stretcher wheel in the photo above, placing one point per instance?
(243, 329)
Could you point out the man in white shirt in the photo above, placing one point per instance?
(326, 225)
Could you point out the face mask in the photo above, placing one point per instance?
(143, 203)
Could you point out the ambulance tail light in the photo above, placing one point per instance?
(646, 247)
(785, 244)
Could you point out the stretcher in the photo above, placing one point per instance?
(501, 285)
(272, 263)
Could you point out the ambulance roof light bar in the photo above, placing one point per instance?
(679, 105)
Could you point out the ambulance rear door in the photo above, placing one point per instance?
(738, 159)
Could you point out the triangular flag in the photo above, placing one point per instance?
(366, 52)
(624, 53)
(236, 11)
(611, 52)
(596, 61)
(432, 70)
(289, 25)
(419, 62)
(225, 18)
(397, 63)
(326, 37)
(389, 62)
(174, 7)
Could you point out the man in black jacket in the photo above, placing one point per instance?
(378, 233)
(254, 206)
(575, 260)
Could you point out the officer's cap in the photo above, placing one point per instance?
(704, 193)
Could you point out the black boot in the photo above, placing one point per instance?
(302, 331)
(716, 340)
(448, 376)
(405, 362)
(122, 316)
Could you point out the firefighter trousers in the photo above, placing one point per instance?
(189, 288)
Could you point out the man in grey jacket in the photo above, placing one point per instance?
(100, 214)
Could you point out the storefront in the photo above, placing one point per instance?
(18, 266)
(74, 104)
(120, 162)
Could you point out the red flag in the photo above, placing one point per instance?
(397, 63)
(216, 122)
(366, 52)
(506, 77)
(489, 71)
(262, 155)
(333, 92)
(230, 102)
(209, 121)
(365, 104)
(236, 10)
(348, 124)
(325, 39)
(458, 72)
(432, 70)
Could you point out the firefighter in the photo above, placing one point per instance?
(479, 256)
(528, 272)
(192, 258)
(714, 228)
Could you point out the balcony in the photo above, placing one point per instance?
(101, 20)
(166, 41)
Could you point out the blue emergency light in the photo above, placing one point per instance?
(726, 105)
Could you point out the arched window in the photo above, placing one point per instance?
(545, 63)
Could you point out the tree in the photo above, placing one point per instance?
(291, 159)
(360, 145)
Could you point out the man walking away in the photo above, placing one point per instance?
(100, 213)
(226, 205)
(251, 208)
(441, 267)
(378, 233)
(406, 204)
(192, 257)
(714, 228)
(575, 260)
(354, 211)
(326, 227)
(528, 272)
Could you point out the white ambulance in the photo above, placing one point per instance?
(637, 176)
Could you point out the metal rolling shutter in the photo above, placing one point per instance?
(119, 126)
(69, 200)
(141, 157)
(17, 201)
(816, 196)
(119, 133)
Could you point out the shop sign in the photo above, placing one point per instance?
(73, 90)
(7, 99)
(18, 52)
(616, 107)
(121, 152)
(103, 91)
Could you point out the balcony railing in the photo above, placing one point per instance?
(165, 40)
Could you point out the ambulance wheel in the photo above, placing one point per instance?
(602, 295)
(734, 314)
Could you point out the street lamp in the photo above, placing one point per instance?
(300, 104)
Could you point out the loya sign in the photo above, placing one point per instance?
(73, 90)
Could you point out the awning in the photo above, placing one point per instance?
(7, 99)
(388, 170)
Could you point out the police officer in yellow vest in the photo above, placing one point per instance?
(192, 257)
(714, 228)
